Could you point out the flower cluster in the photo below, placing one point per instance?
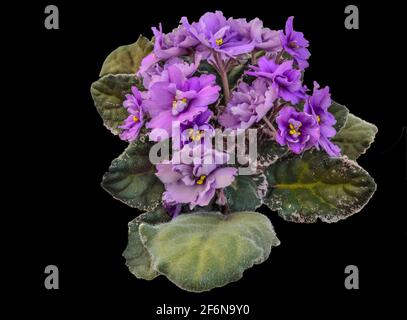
(195, 184)
(222, 126)
(269, 96)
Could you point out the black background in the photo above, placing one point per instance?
(66, 219)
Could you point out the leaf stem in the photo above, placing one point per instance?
(222, 201)
(269, 124)
(226, 209)
(253, 59)
(222, 70)
(279, 55)
(225, 84)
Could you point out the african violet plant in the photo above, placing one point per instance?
(199, 228)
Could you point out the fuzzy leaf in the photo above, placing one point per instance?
(355, 137)
(340, 113)
(108, 94)
(246, 192)
(202, 251)
(269, 152)
(127, 59)
(138, 260)
(131, 178)
(313, 185)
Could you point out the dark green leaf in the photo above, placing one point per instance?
(131, 178)
(246, 192)
(108, 94)
(313, 185)
(269, 152)
(235, 74)
(355, 137)
(340, 113)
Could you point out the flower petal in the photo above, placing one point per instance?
(224, 176)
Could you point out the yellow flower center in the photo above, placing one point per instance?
(174, 102)
(219, 42)
(195, 135)
(318, 119)
(136, 119)
(294, 131)
(293, 44)
(201, 179)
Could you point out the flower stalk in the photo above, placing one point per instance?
(269, 124)
(221, 67)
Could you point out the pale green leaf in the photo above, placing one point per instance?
(138, 260)
(127, 59)
(202, 251)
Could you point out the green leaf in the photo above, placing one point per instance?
(269, 152)
(305, 188)
(340, 113)
(206, 67)
(138, 260)
(212, 206)
(246, 192)
(127, 59)
(108, 94)
(235, 74)
(202, 251)
(355, 137)
(131, 178)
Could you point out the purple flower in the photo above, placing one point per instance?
(263, 38)
(285, 79)
(158, 72)
(173, 208)
(179, 98)
(215, 33)
(295, 44)
(197, 182)
(134, 122)
(317, 105)
(147, 64)
(167, 46)
(298, 130)
(173, 44)
(195, 131)
(248, 105)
